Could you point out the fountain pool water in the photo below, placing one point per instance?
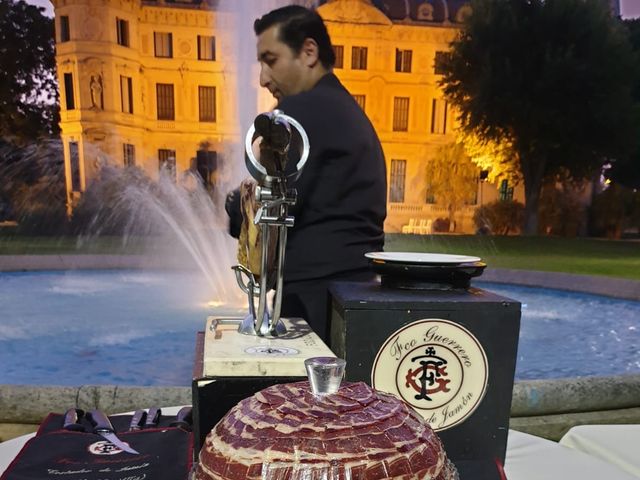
(138, 328)
(101, 327)
(568, 334)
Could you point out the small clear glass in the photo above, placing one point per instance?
(325, 374)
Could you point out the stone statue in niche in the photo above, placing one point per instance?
(95, 84)
(425, 12)
(142, 90)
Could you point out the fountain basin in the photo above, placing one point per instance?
(137, 327)
(124, 327)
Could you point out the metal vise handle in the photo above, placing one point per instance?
(256, 169)
(273, 211)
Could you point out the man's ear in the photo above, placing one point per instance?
(310, 52)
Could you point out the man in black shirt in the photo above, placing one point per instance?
(341, 204)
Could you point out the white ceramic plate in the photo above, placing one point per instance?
(421, 258)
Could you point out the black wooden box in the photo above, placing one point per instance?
(364, 319)
(213, 397)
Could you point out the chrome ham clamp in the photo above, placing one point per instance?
(272, 134)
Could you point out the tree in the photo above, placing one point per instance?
(28, 86)
(562, 210)
(32, 190)
(551, 78)
(613, 209)
(30, 153)
(490, 156)
(626, 170)
(452, 177)
(499, 218)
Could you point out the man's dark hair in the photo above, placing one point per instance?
(296, 24)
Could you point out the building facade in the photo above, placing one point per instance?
(153, 84)
(388, 58)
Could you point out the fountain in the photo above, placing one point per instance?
(179, 224)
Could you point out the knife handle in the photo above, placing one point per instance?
(153, 417)
(183, 419)
(138, 420)
(71, 418)
(99, 421)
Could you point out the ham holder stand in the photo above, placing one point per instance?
(236, 357)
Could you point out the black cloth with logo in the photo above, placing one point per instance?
(166, 453)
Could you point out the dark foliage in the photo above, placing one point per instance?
(32, 191)
(553, 77)
(28, 84)
(615, 209)
(561, 212)
(626, 170)
(441, 225)
(31, 162)
(501, 217)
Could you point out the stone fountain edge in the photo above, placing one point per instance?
(546, 408)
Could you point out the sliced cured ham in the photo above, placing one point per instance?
(284, 432)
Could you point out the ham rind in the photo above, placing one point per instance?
(284, 432)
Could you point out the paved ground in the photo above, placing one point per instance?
(599, 285)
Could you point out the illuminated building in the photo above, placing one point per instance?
(151, 84)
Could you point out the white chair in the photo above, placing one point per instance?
(426, 227)
(410, 227)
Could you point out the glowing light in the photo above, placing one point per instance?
(215, 304)
(607, 181)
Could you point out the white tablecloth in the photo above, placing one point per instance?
(535, 458)
(617, 444)
(528, 458)
(10, 448)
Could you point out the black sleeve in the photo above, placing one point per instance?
(232, 207)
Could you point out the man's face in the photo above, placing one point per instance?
(282, 72)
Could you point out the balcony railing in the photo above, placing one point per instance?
(425, 209)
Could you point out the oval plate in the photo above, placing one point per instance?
(414, 258)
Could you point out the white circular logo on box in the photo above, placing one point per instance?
(436, 366)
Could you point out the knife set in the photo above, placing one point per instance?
(92, 446)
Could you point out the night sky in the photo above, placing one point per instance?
(628, 8)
